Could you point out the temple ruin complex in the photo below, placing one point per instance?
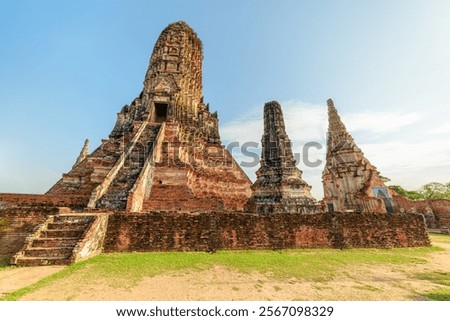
(163, 181)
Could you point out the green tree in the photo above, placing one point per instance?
(413, 195)
(435, 190)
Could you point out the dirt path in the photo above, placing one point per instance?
(17, 278)
(361, 282)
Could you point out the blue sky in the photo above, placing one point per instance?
(66, 69)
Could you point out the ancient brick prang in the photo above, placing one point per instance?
(164, 152)
(350, 181)
(279, 187)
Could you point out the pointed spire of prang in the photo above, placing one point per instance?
(84, 152)
(336, 128)
(276, 146)
(279, 187)
(349, 180)
(340, 144)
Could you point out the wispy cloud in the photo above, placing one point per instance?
(411, 164)
(304, 122)
(443, 129)
(379, 122)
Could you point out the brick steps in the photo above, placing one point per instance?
(49, 252)
(39, 261)
(55, 242)
(72, 219)
(61, 233)
(117, 194)
(65, 225)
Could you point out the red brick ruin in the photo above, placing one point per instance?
(162, 181)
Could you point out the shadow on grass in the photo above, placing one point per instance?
(437, 277)
(4, 261)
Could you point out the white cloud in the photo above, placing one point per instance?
(242, 130)
(379, 122)
(304, 122)
(411, 165)
(443, 129)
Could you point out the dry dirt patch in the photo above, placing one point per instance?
(17, 278)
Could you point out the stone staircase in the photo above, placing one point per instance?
(117, 193)
(54, 241)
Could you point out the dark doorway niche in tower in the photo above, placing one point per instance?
(160, 112)
(382, 193)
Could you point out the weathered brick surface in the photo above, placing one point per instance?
(196, 176)
(17, 223)
(190, 161)
(63, 239)
(279, 187)
(350, 181)
(82, 180)
(212, 231)
(439, 216)
(39, 200)
(91, 242)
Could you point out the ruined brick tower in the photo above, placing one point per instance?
(279, 187)
(164, 152)
(350, 182)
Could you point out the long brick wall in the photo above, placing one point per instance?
(212, 231)
(14, 200)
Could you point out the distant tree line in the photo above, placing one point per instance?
(433, 190)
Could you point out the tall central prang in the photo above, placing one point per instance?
(164, 152)
(173, 83)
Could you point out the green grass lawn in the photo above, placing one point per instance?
(125, 270)
(442, 238)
